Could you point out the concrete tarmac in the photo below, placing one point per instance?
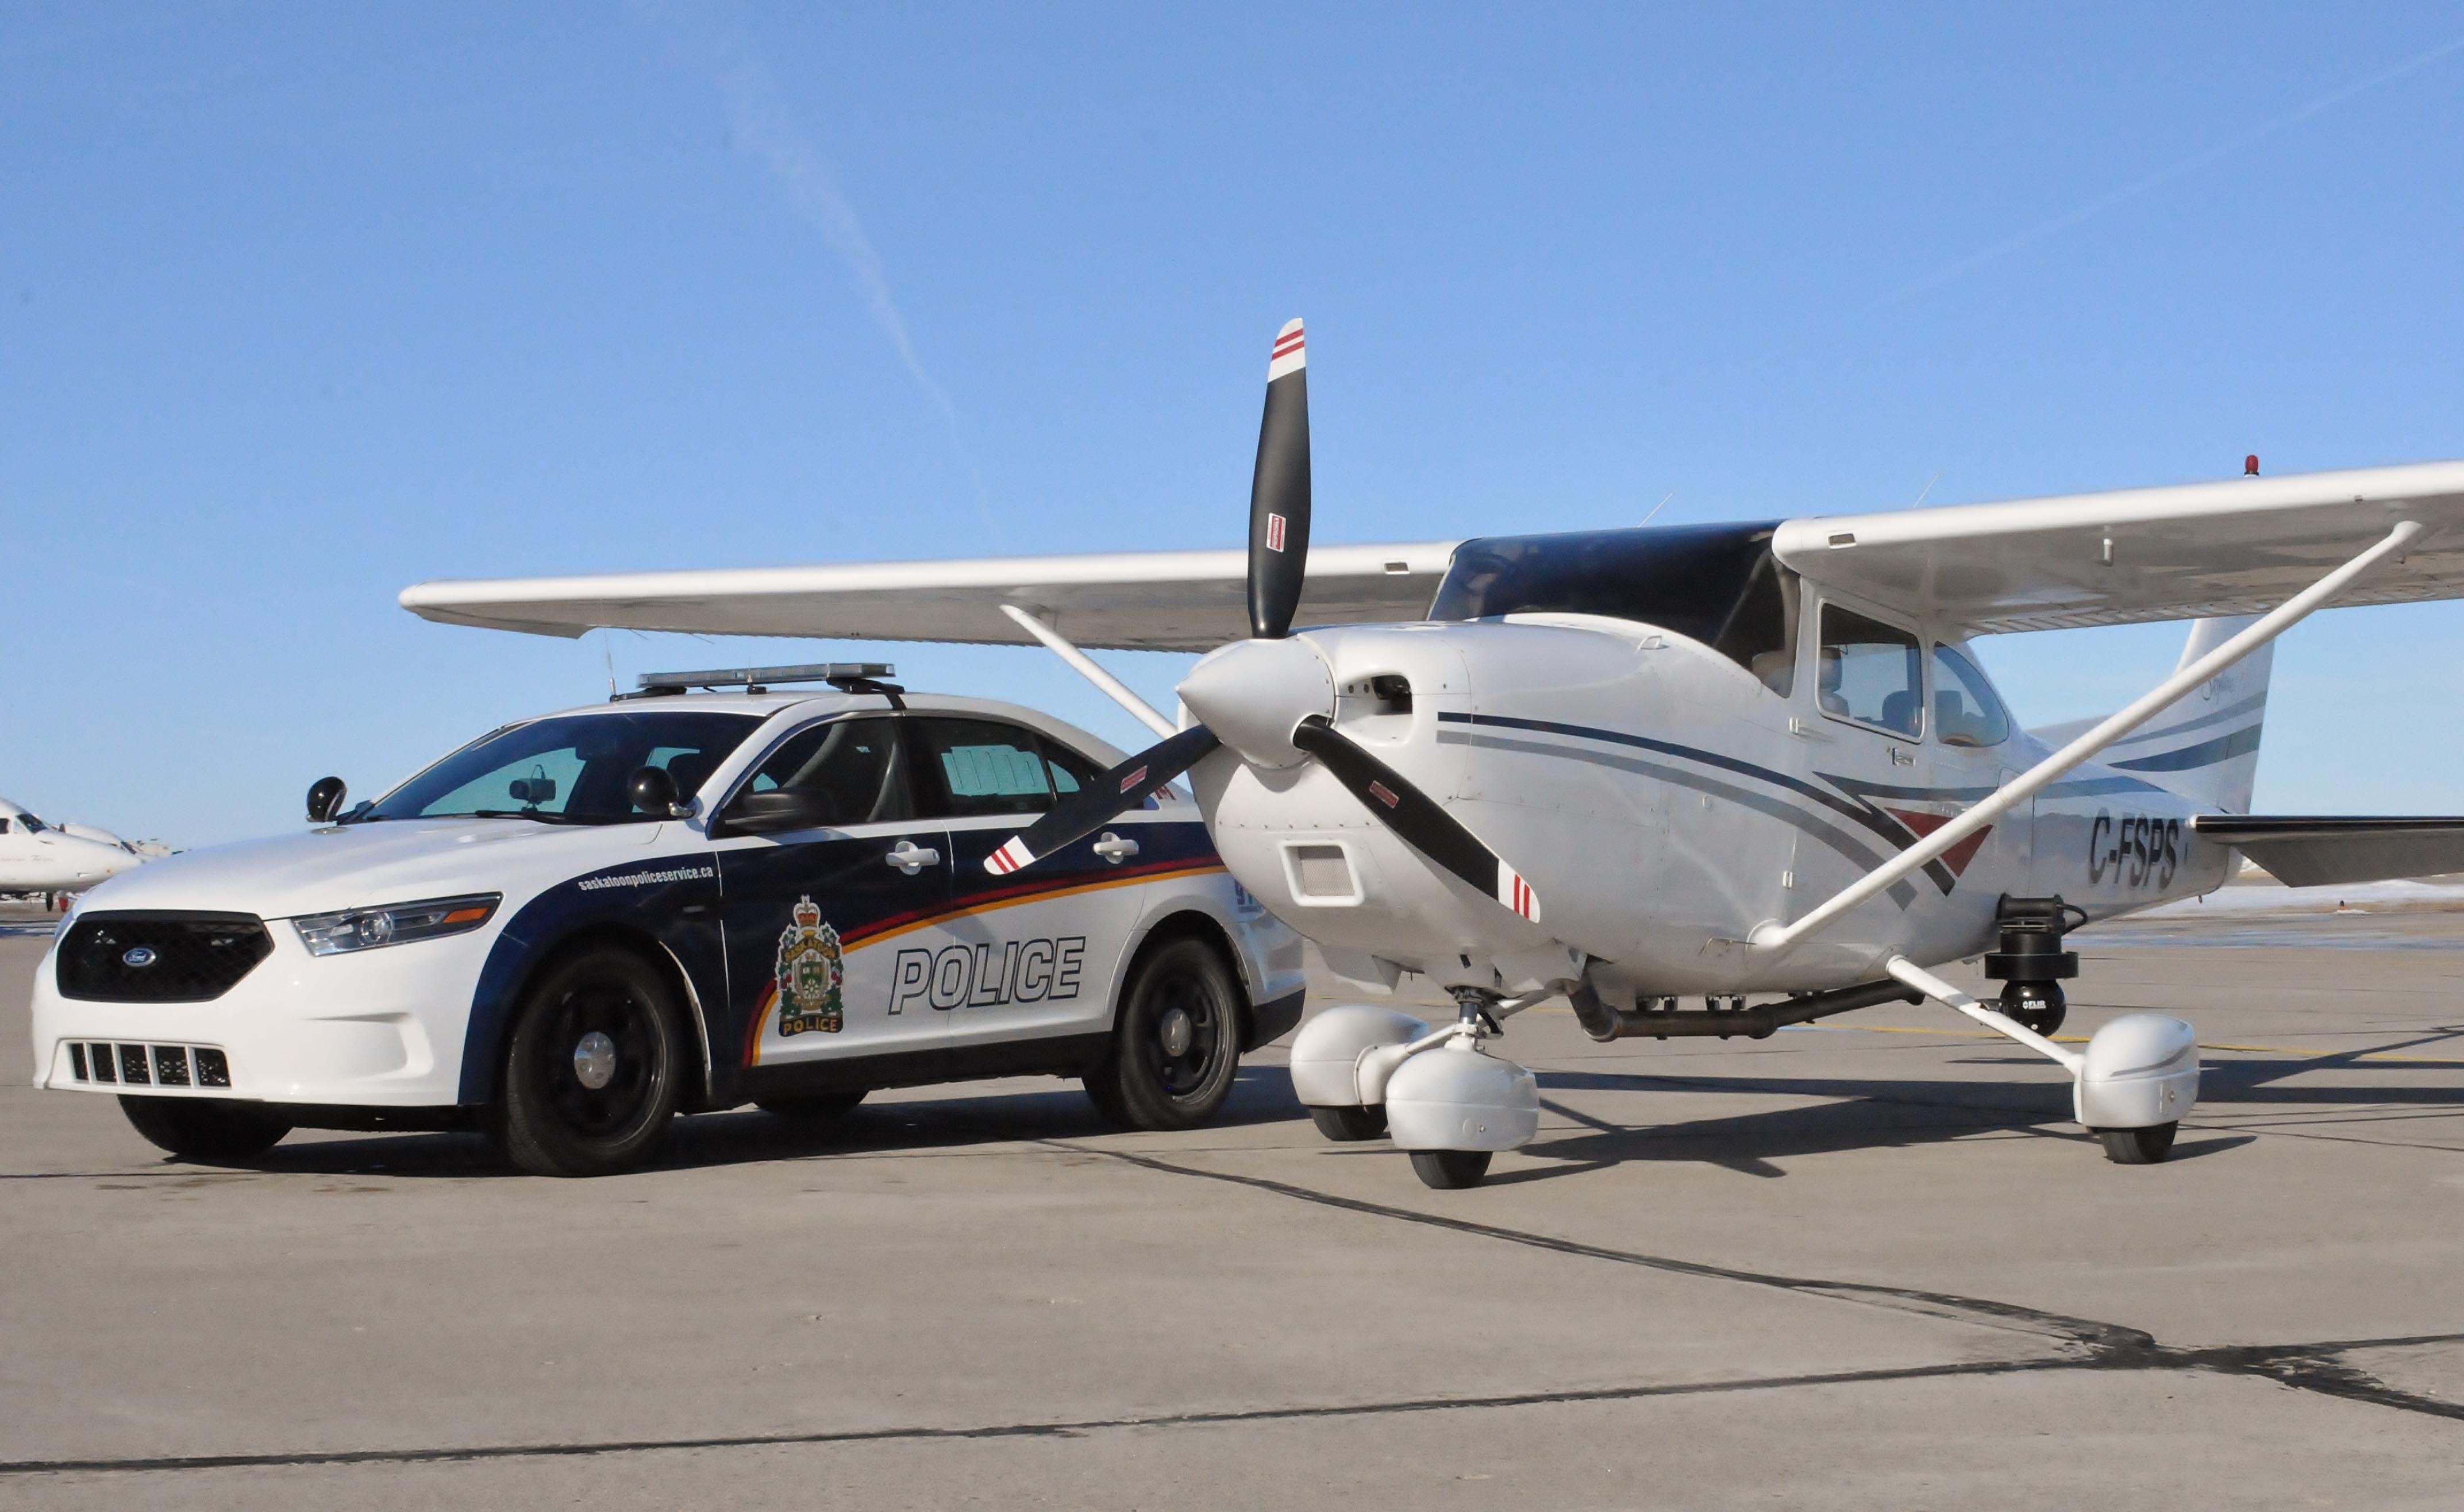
(1865, 1265)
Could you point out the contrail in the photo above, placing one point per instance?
(2163, 176)
(760, 120)
(761, 126)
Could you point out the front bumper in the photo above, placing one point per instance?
(380, 1028)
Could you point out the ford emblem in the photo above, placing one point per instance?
(139, 956)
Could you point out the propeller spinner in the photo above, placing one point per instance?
(1265, 704)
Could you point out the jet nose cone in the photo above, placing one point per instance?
(1252, 692)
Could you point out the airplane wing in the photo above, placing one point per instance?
(1162, 601)
(2311, 852)
(2241, 546)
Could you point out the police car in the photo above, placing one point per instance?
(578, 926)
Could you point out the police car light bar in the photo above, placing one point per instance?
(848, 676)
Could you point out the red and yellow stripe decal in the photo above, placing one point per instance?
(991, 902)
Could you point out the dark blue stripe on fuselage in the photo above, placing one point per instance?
(1898, 835)
(2207, 752)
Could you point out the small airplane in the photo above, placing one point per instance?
(1626, 767)
(37, 857)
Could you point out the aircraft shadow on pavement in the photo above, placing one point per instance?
(1866, 1114)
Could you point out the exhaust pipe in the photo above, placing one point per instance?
(1605, 1022)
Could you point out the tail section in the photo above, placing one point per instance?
(2205, 745)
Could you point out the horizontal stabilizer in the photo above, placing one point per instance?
(2312, 852)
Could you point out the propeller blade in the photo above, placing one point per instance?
(1279, 491)
(1114, 794)
(1422, 822)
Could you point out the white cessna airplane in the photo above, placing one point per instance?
(35, 857)
(1630, 766)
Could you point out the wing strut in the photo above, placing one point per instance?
(1774, 937)
(1087, 666)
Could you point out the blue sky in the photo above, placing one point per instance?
(302, 304)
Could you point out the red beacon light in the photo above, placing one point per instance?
(2249, 466)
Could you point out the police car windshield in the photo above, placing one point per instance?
(571, 770)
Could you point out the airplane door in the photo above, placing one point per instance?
(1034, 952)
(1869, 678)
(823, 859)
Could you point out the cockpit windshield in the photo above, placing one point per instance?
(1715, 583)
(570, 770)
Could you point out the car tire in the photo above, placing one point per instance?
(204, 1128)
(594, 1067)
(1176, 1042)
(811, 1107)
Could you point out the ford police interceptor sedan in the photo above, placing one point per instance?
(578, 926)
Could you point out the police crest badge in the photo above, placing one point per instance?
(810, 971)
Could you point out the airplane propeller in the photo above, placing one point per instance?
(1278, 533)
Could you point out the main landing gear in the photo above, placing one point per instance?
(2131, 1087)
(1439, 1095)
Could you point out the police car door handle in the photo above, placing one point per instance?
(1114, 849)
(911, 858)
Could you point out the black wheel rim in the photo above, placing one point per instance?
(612, 1010)
(1183, 1045)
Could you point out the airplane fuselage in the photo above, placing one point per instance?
(1664, 800)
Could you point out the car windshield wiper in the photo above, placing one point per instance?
(533, 814)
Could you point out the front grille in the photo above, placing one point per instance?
(150, 1065)
(127, 957)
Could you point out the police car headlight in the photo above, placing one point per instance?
(395, 924)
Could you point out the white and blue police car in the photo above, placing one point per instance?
(579, 926)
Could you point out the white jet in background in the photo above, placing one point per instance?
(35, 857)
(1624, 766)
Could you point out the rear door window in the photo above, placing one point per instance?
(975, 767)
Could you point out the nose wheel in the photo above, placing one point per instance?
(1448, 1170)
(1453, 1105)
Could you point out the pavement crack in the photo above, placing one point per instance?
(2089, 1343)
(1073, 1429)
(2079, 1333)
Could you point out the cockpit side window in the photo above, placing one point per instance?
(1870, 672)
(1966, 710)
(4, 823)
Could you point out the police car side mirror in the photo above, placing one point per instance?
(653, 791)
(324, 799)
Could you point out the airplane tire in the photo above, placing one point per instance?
(1346, 1125)
(1448, 1170)
(2138, 1147)
(201, 1128)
